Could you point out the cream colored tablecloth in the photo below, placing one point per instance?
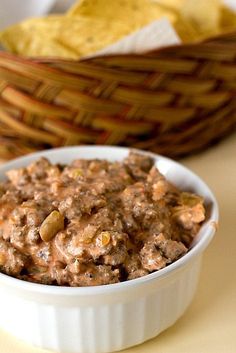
(209, 325)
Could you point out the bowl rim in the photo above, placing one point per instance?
(198, 248)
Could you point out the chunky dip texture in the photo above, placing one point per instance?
(93, 222)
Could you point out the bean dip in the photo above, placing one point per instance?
(93, 222)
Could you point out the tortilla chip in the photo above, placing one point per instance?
(186, 31)
(87, 35)
(61, 36)
(171, 4)
(135, 13)
(36, 37)
(227, 19)
(203, 15)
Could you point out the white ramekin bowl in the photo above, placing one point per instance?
(13, 11)
(112, 317)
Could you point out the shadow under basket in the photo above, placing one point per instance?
(173, 101)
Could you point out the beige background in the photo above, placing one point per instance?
(209, 325)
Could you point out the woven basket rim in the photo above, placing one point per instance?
(110, 95)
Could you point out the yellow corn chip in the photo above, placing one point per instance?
(135, 13)
(36, 37)
(62, 36)
(227, 19)
(87, 35)
(204, 15)
(186, 31)
(171, 4)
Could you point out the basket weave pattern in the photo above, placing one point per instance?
(172, 101)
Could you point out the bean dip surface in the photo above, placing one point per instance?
(93, 222)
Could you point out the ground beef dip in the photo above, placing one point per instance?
(93, 222)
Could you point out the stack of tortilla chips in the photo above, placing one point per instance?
(91, 25)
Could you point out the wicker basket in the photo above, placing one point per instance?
(173, 101)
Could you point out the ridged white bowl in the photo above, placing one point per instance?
(112, 317)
